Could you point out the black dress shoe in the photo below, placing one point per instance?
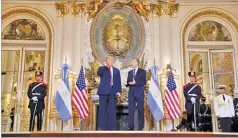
(173, 129)
(131, 129)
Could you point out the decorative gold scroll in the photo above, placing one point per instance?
(70, 7)
(92, 7)
(164, 8)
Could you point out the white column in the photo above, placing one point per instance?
(156, 41)
(58, 48)
(205, 73)
(68, 39)
(156, 52)
(78, 38)
(56, 64)
(165, 40)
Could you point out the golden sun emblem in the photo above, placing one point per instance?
(117, 36)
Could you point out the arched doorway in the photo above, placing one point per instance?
(209, 40)
(26, 47)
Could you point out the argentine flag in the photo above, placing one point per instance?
(154, 98)
(63, 100)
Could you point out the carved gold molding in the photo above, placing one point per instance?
(141, 7)
(70, 7)
(24, 45)
(197, 15)
(91, 8)
(94, 7)
(48, 26)
(164, 8)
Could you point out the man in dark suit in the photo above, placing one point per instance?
(192, 94)
(36, 94)
(109, 89)
(136, 81)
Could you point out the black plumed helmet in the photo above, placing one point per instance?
(191, 74)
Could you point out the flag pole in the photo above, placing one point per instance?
(173, 125)
(81, 121)
(81, 61)
(65, 60)
(169, 67)
(81, 124)
(157, 123)
(62, 123)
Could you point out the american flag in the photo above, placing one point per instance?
(172, 98)
(80, 98)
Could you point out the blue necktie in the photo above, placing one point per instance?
(224, 97)
(134, 74)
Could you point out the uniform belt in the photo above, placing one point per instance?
(36, 94)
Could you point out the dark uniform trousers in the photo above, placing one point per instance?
(225, 123)
(183, 124)
(39, 114)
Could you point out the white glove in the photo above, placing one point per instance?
(34, 98)
(193, 100)
(118, 94)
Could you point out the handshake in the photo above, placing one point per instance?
(35, 99)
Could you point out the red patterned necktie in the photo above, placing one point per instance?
(110, 72)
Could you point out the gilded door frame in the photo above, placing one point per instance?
(39, 15)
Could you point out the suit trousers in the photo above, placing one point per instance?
(225, 123)
(107, 112)
(136, 97)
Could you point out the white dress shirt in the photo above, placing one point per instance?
(136, 69)
(224, 108)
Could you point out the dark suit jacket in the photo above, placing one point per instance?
(140, 80)
(105, 79)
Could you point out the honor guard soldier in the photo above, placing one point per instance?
(205, 118)
(234, 126)
(192, 94)
(224, 109)
(36, 94)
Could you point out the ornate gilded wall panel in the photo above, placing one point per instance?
(209, 31)
(223, 70)
(117, 31)
(29, 30)
(208, 12)
(23, 29)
